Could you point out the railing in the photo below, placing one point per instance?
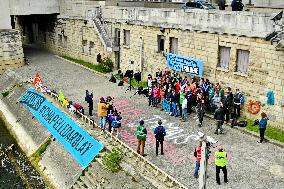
(123, 146)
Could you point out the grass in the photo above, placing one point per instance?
(271, 132)
(6, 93)
(103, 68)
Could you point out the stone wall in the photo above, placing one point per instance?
(11, 51)
(74, 38)
(200, 40)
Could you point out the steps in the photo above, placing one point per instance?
(142, 170)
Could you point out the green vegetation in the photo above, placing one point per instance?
(105, 66)
(134, 82)
(36, 157)
(6, 93)
(111, 160)
(271, 132)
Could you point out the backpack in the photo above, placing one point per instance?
(242, 123)
(159, 134)
(195, 153)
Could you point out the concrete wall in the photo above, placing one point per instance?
(26, 7)
(5, 19)
(11, 51)
(235, 23)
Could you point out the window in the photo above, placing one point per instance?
(91, 47)
(59, 40)
(126, 39)
(224, 57)
(84, 46)
(242, 61)
(173, 45)
(65, 42)
(161, 43)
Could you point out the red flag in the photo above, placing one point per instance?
(37, 81)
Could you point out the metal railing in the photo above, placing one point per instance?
(124, 146)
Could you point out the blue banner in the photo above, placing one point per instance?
(166, 105)
(185, 64)
(77, 141)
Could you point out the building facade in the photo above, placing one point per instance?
(233, 46)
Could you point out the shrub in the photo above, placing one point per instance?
(6, 93)
(111, 160)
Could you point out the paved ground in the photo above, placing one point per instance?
(251, 165)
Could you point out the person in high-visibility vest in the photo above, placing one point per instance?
(221, 162)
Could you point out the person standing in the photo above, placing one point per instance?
(226, 106)
(197, 155)
(200, 112)
(219, 117)
(221, 162)
(237, 104)
(99, 58)
(262, 126)
(184, 107)
(160, 133)
(91, 104)
(102, 113)
(222, 4)
(141, 134)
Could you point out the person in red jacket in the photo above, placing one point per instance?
(197, 155)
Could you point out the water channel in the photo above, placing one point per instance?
(16, 172)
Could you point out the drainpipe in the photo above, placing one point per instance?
(141, 56)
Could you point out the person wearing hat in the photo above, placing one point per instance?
(141, 134)
(221, 162)
(160, 133)
(102, 113)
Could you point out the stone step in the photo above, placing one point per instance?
(87, 182)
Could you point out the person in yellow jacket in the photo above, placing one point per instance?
(102, 113)
(221, 162)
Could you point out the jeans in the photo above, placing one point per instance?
(237, 110)
(218, 169)
(261, 133)
(102, 122)
(174, 111)
(196, 169)
(157, 146)
(184, 111)
(219, 124)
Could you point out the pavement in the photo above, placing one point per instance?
(251, 165)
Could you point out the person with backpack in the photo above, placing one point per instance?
(197, 155)
(160, 133)
(141, 134)
(237, 103)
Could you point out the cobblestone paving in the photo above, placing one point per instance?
(251, 165)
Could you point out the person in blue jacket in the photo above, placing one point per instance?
(262, 126)
(160, 133)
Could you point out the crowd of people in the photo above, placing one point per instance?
(181, 94)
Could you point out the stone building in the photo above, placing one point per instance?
(235, 47)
